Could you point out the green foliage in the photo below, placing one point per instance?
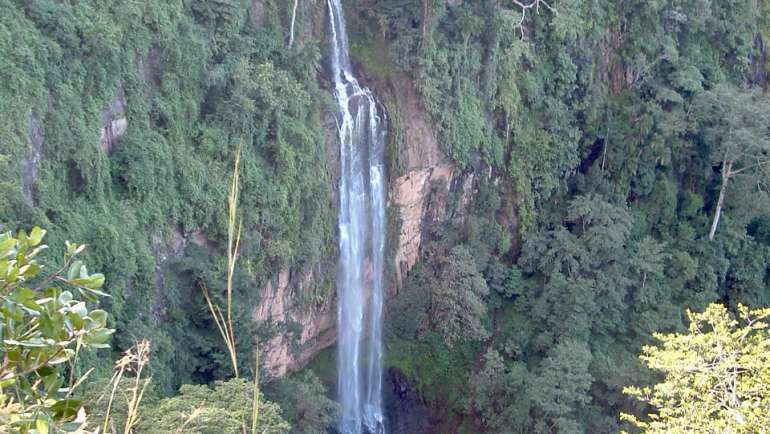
(596, 132)
(560, 391)
(494, 392)
(716, 377)
(447, 68)
(736, 136)
(457, 305)
(197, 80)
(433, 368)
(43, 328)
(223, 409)
(304, 399)
(95, 396)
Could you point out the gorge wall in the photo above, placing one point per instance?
(418, 197)
(426, 188)
(141, 176)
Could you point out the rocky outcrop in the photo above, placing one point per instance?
(297, 332)
(420, 196)
(257, 13)
(410, 195)
(31, 163)
(165, 248)
(149, 67)
(114, 122)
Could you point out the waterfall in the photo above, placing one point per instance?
(361, 223)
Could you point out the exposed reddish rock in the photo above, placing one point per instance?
(410, 194)
(421, 194)
(279, 306)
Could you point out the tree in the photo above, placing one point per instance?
(308, 409)
(562, 387)
(223, 409)
(737, 127)
(43, 328)
(457, 305)
(494, 391)
(716, 376)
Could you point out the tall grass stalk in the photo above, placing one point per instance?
(255, 406)
(134, 359)
(224, 321)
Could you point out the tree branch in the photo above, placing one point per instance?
(752, 166)
(525, 7)
(293, 20)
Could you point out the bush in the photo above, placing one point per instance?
(43, 329)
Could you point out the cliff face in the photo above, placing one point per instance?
(298, 323)
(286, 351)
(418, 196)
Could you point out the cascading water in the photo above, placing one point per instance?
(362, 242)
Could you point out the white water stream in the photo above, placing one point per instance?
(362, 242)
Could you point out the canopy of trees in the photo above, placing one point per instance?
(716, 377)
(615, 151)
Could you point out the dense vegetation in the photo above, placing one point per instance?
(619, 127)
(629, 141)
(200, 79)
(716, 376)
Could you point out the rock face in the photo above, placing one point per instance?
(298, 332)
(418, 197)
(257, 13)
(31, 163)
(114, 122)
(421, 195)
(411, 195)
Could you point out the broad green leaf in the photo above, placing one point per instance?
(99, 317)
(74, 271)
(24, 294)
(32, 343)
(66, 408)
(7, 247)
(45, 371)
(42, 426)
(97, 292)
(36, 236)
(96, 281)
(65, 297)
